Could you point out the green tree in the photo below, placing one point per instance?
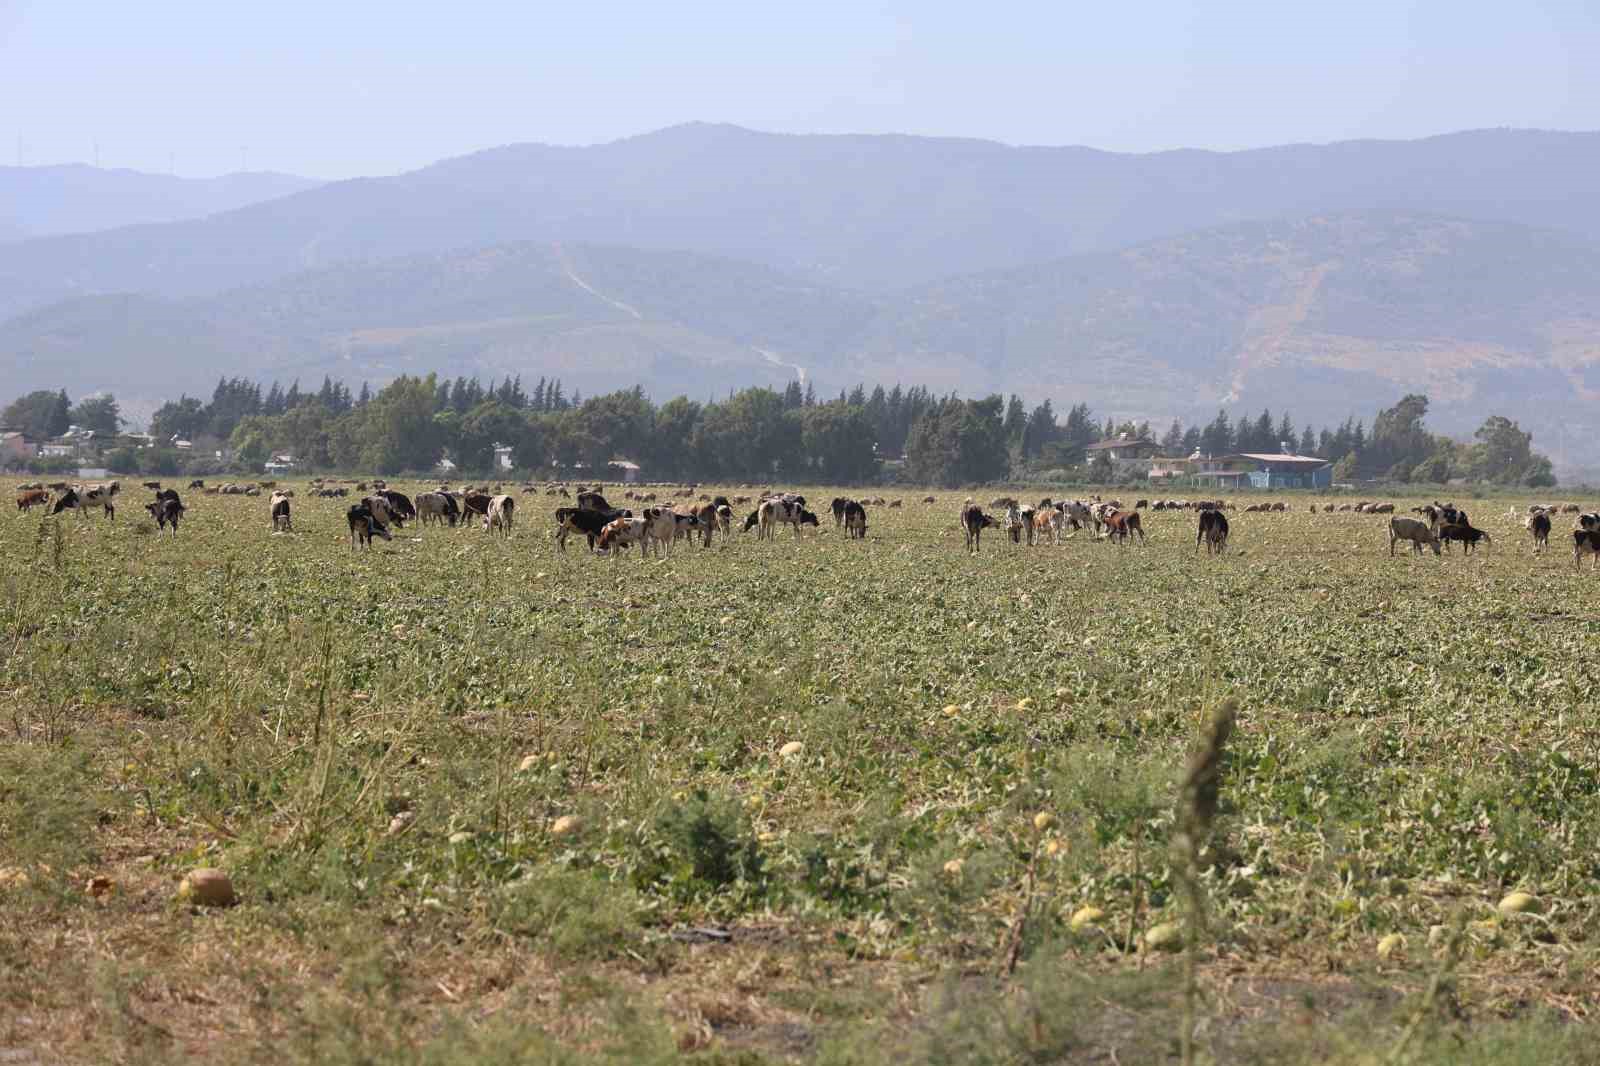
(674, 449)
(398, 428)
(1506, 451)
(39, 415)
(99, 413)
(1433, 470)
(838, 441)
(961, 443)
(184, 417)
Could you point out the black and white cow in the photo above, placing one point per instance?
(166, 509)
(80, 499)
(784, 511)
(1585, 542)
(364, 525)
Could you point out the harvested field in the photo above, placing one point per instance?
(812, 799)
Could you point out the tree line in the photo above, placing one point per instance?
(754, 434)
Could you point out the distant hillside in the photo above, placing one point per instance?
(1325, 316)
(44, 201)
(599, 318)
(867, 212)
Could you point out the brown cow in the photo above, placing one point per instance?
(1121, 524)
(28, 500)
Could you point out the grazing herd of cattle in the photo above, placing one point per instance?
(656, 528)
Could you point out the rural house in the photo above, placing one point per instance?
(16, 449)
(1257, 470)
(1122, 449)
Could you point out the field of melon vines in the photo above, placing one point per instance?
(814, 800)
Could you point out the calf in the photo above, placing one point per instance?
(621, 532)
(855, 520)
(166, 510)
(973, 523)
(1014, 522)
(1213, 530)
(1414, 530)
(502, 511)
(28, 499)
(838, 506)
(364, 525)
(279, 509)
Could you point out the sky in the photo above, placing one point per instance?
(346, 88)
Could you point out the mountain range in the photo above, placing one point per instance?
(1325, 279)
(74, 198)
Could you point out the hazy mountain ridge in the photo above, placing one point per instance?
(1326, 316)
(871, 212)
(42, 201)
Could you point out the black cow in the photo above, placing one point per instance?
(593, 501)
(1213, 530)
(974, 522)
(855, 519)
(1539, 526)
(474, 503)
(838, 505)
(1467, 535)
(400, 505)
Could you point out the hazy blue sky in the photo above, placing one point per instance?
(335, 88)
